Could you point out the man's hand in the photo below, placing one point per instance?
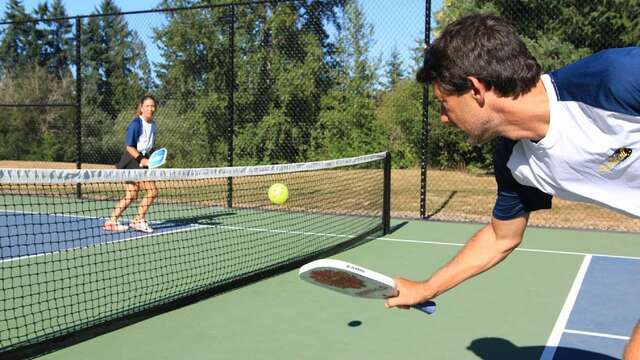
(409, 293)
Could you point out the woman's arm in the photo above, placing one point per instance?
(138, 156)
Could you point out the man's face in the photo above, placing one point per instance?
(466, 114)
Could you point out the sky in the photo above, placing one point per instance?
(397, 24)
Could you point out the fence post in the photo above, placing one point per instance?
(78, 105)
(386, 202)
(231, 88)
(425, 119)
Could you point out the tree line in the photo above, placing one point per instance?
(307, 85)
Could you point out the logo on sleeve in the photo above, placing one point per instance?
(614, 160)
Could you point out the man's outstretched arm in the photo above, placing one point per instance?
(485, 249)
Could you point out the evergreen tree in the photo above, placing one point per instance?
(116, 67)
(347, 125)
(16, 42)
(42, 133)
(394, 70)
(194, 48)
(293, 56)
(355, 45)
(116, 72)
(193, 78)
(58, 49)
(35, 71)
(400, 112)
(280, 68)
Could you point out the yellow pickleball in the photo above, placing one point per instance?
(278, 193)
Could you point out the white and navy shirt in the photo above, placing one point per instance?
(591, 152)
(141, 135)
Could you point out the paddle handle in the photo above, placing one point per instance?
(428, 307)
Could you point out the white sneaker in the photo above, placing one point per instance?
(141, 225)
(114, 226)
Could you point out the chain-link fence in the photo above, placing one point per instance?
(267, 82)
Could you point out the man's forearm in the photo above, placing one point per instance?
(483, 251)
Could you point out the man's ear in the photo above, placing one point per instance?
(478, 90)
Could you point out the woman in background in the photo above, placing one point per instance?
(139, 141)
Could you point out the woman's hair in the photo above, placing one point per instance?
(486, 47)
(142, 100)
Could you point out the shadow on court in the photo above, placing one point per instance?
(208, 219)
(443, 205)
(397, 227)
(502, 349)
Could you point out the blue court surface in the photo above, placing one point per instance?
(601, 309)
(56, 233)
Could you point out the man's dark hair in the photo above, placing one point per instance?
(484, 46)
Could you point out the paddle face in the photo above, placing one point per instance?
(158, 158)
(354, 280)
(348, 279)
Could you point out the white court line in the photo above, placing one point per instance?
(414, 241)
(563, 317)
(517, 249)
(48, 214)
(588, 333)
(279, 231)
(196, 226)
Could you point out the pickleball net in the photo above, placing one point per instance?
(214, 228)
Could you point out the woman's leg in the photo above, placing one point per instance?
(130, 195)
(150, 194)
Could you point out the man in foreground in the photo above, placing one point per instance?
(573, 133)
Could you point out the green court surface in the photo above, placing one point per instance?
(506, 313)
(95, 275)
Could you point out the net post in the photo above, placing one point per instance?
(386, 203)
(78, 104)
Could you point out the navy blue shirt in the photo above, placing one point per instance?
(514, 199)
(605, 84)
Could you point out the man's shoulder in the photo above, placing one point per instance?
(620, 57)
(613, 61)
(603, 80)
